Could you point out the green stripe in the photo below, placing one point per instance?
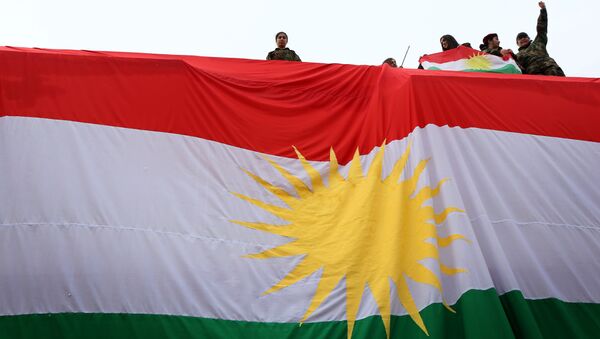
(479, 314)
(507, 69)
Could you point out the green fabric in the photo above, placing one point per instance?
(507, 69)
(479, 314)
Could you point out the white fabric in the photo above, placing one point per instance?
(462, 65)
(103, 219)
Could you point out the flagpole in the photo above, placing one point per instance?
(405, 54)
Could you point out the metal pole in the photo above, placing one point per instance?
(405, 54)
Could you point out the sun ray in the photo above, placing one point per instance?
(400, 165)
(276, 252)
(282, 230)
(439, 218)
(377, 165)
(427, 192)
(305, 268)
(326, 284)
(448, 307)
(276, 190)
(411, 183)
(355, 167)
(362, 228)
(381, 293)
(314, 175)
(281, 212)
(447, 241)
(334, 174)
(299, 185)
(355, 287)
(408, 303)
(452, 270)
(424, 275)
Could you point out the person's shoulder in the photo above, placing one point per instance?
(270, 55)
(294, 55)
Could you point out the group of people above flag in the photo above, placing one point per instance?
(531, 58)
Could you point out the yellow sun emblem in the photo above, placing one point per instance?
(369, 230)
(479, 61)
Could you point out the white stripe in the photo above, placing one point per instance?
(103, 219)
(457, 65)
(461, 64)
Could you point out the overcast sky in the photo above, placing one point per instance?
(328, 31)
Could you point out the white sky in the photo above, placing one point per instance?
(328, 31)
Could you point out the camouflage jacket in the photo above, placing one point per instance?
(534, 58)
(493, 51)
(283, 54)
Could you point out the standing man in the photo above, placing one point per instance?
(533, 56)
(282, 52)
(491, 45)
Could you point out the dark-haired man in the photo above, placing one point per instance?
(390, 62)
(492, 46)
(282, 52)
(533, 56)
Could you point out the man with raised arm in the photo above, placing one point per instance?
(533, 56)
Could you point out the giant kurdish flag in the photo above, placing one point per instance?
(155, 196)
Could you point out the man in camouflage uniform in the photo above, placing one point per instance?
(282, 52)
(493, 46)
(533, 56)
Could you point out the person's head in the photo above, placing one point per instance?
(448, 42)
(281, 39)
(390, 61)
(491, 41)
(523, 39)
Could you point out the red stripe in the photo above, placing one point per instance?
(268, 106)
(461, 52)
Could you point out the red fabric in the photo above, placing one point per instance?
(268, 106)
(460, 52)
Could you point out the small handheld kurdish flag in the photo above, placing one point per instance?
(469, 60)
